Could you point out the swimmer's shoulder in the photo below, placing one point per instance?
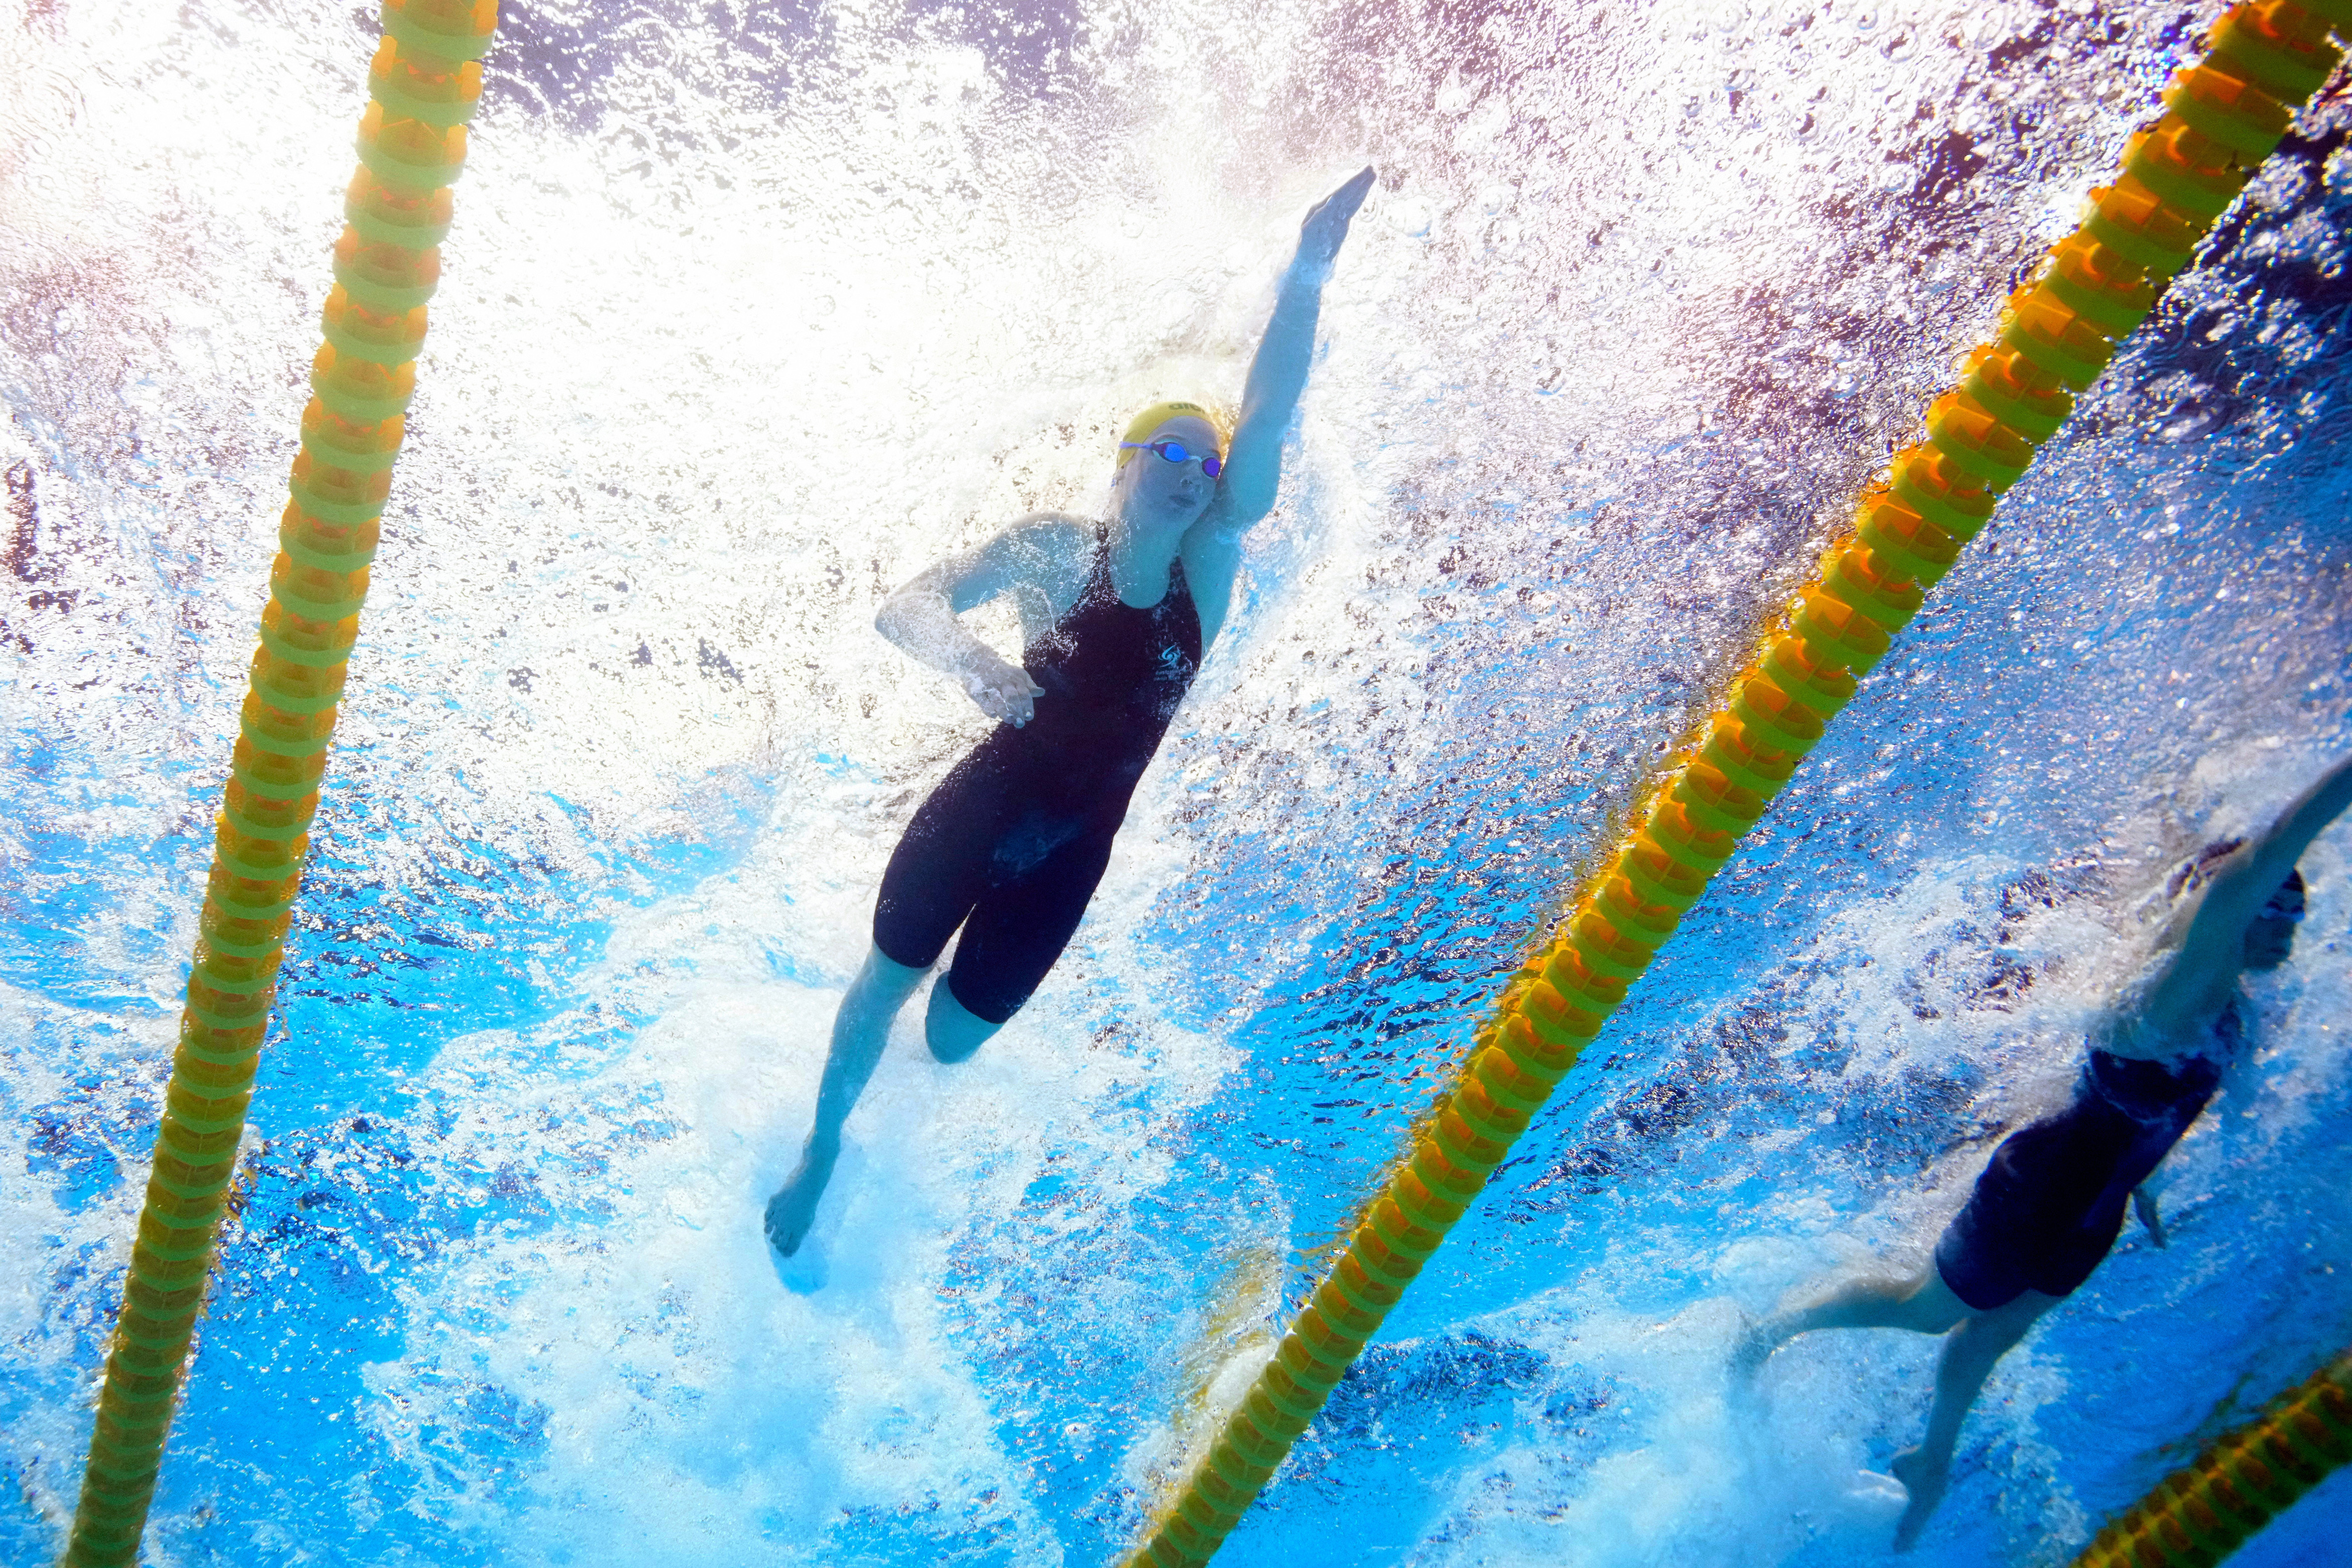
(1050, 551)
(2172, 1040)
(1057, 532)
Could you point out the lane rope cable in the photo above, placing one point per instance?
(423, 86)
(2222, 118)
(2247, 1477)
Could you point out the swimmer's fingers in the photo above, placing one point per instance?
(1008, 695)
(1013, 708)
(1023, 700)
(1326, 221)
(1348, 198)
(1342, 204)
(982, 690)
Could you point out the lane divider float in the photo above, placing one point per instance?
(2222, 118)
(2202, 1512)
(423, 86)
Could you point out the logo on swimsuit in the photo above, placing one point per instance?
(1173, 675)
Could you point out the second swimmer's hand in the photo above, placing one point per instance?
(1326, 225)
(1005, 691)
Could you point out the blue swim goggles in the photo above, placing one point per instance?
(1177, 452)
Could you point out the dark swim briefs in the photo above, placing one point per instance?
(2051, 1203)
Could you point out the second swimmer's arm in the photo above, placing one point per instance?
(2204, 968)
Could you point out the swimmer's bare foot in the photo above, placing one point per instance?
(1924, 1477)
(794, 1208)
(1756, 1341)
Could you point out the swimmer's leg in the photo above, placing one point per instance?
(1969, 1357)
(1018, 928)
(952, 1030)
(859, 1030)
(1920, 1302)
(935, 874)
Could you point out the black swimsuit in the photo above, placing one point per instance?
(1012, 843)
(2051, 1202)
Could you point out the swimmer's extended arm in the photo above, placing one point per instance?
(2198, 981)
(1277, 374)
(1037, 553)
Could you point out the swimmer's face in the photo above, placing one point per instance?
(2270, 936)
(1171, 495)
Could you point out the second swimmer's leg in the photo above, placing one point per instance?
(1920, 1302)
(1981, 1261)
(1968, 1360)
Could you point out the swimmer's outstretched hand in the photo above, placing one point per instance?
(1004, 691)
(1326, 221)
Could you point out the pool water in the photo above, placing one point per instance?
(750, 312)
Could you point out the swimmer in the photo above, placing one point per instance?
(1115, 618)
(2050, 1204)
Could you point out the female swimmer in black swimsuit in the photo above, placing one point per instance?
(1115, 616)
(2051, 1200)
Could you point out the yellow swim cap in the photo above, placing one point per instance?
(1159, 414)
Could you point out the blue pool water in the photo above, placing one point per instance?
(750, 312)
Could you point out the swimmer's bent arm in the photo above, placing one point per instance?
(2197, 982)
(1035, 556)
